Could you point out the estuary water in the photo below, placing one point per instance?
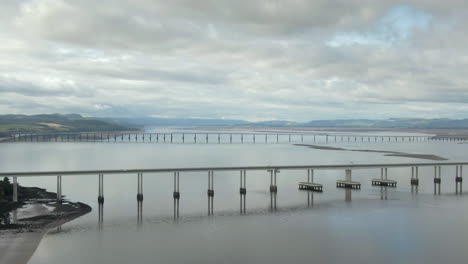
(371, 225)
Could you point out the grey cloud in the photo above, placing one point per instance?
(234, 59)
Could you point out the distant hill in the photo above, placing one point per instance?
(78, 123)
(402, 123)
(55, 123)
(392, 123)
(181, 122)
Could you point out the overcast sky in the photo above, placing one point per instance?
(243, 59)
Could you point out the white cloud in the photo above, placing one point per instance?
(255, 60)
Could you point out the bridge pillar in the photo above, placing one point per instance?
(15, 189)
(210, 192)
(171, 137)
(243, 192)
(242, 138)
(206, 138)
(140, 187)
(253, 138)
(176, 194)
(59, 189)
(273, 186)
(310, 176)
(101, 189)
(219, 138)
(437, 179)
(183, 138)
(289, 138)
(458, 179)
(243, 189)
(348, 174)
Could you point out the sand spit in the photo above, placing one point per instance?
(19, 240)
(387, 153)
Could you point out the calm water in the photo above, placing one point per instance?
(370, 225)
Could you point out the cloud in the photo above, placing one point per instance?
(255, 60)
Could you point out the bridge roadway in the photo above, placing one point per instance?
(233, 168)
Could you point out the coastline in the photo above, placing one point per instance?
(35, 218)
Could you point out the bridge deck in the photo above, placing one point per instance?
(234, 168)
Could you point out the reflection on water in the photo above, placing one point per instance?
(100, 215)
(139, 212)
(273, 201)
(383, 193)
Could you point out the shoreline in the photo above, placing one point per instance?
(36, 217)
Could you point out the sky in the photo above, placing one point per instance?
(255, 60)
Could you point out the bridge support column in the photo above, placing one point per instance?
(437, 179)
(253, 138)
(140, 187)
(243, 192)
(59, 189)
(348, 174)
(101, 189)
(210, 192)
(140, 198)
(273, 186)
(206, 138)
(15, 189)
(458, 179)
(310, 176)
(176, 194)
(219, 138)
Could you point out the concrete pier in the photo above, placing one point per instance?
(383, 181)
(243, 191)
(310, 185)
(59, 189)
(348, 183)
(273, 186)
(458, 179)
(101, 189)
(176, 194)
(437, 179)
(15, 189)
(140, 187)
(210, 192)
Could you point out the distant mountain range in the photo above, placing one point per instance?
(410, 123)
(78, 123)
(55, 123)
